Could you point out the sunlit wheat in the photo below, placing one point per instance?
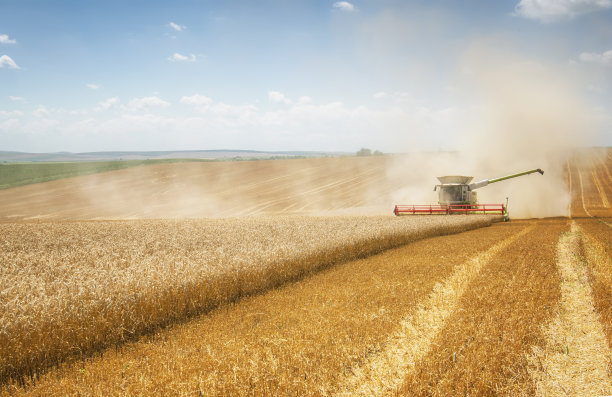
(71, 288)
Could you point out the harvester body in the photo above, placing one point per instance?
(457, 190)
(456, 195)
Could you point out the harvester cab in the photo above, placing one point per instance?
(456, 195)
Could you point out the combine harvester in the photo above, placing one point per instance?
(456, 195)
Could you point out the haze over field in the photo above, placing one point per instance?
(319, 186)
(200, 197)
(510, 85)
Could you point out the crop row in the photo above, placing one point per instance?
(484, 348)
(597, 248)
(72, 288)
(301, 339)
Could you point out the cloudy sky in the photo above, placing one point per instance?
(290, 74)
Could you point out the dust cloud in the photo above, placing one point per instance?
(519, 115)
(516, 115)
(320, 186)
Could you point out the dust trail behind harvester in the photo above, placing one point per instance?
(524, 115)
(516, 115)
(326, 186)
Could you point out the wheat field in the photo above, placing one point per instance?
(213, 189)
(306, 305)
(73, 288)
(301, 338)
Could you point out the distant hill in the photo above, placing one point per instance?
(6, 156)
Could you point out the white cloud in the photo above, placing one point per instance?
(7, 62)
(344, 6)
(203, 122)
(397, 97)
(4, 39)
(16, 98)
(41, 111)
(147, 102)
(380, 95)
(93, 86)
(196, 100)
(604, 58)
(220, 113)
(10, 126)
(304, 100)
(176, 57)
(277, 97)
(107, 104)
(11, 114)
(177, 27)
(556, 10)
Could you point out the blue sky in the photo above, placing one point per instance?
(294, 75)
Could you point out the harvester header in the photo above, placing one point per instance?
(456, 195)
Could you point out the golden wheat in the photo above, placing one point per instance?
(71, 288)
(483, 348)
(575, 358)
(301, 339)
(597, 249)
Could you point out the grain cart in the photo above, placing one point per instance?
(456, 195)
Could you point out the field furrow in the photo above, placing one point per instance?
(597, 248)
(301, 339)
(606, 177)
(576, 189)
(576, 356)
(483, 348)
(600, 189)
(582, 195)
(384, 372)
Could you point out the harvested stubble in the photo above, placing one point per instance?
(483, 348)
(72, 288)
(384, 372)
(301, 339)
(575, 359)
(576, 188)
(597, 248)
(589, 178)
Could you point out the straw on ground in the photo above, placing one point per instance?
(576, 356)
(384, 372)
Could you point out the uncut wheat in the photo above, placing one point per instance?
(72, 288)
(301, 339)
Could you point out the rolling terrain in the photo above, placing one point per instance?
(209, 189)
(328, 305)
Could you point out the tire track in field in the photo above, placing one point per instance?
(295, 196)
(384, 373)
(597, 237)
(334, 185)
(576, 357)
(582, 193)
(569, 182)
(608, 180)
(600, 189)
